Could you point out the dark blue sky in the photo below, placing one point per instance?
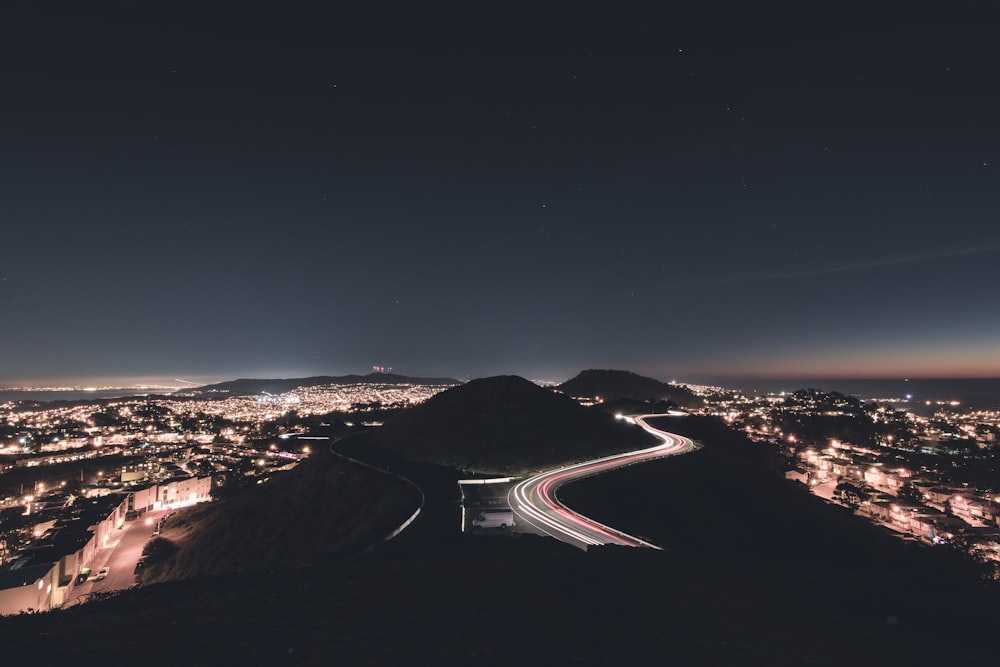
(728, 190)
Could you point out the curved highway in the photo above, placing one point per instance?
(534, 500)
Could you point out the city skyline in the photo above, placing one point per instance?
(689, 194)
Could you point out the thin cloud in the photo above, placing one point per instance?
(851, 268)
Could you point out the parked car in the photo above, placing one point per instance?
(102, 573)
(500, 519)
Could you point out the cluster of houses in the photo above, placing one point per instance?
(926, 510)
(46, 574)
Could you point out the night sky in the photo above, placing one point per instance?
(741, 189)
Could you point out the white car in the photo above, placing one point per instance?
(500, 519)
(102, 573)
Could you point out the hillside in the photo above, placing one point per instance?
(733, 587)
(725, 507)
(613, 385)
(504, 424)
(326, 505)
(509, 602)
(248, 386)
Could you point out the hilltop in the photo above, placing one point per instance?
(326, 505)
(613, 385)
(247, 386)
(504, 424)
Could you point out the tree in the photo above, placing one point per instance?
(850, 494)
(910, 493)
(158, 550)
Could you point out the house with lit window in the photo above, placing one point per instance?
(45, 575)
(175, 493)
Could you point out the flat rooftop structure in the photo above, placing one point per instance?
(23, 576)
(74, 529)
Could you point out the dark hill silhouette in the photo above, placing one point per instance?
(504, 424)
(612, 385)
(248, 386)
(326, 505)
(726, 506)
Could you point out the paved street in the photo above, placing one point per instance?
(535, 501)
(120, 556)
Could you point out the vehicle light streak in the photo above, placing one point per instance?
(535, 500)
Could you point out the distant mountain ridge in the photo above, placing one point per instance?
(613, 385)
(504, 424)
(247, 386)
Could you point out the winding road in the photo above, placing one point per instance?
(534, 500)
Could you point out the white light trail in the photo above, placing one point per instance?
(535, 501)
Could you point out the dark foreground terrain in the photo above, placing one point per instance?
(755, 572)
(724, 508)
(490, 602)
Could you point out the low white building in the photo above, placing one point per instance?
(173, 494)
(45, 575)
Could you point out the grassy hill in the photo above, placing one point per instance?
(756, 572)
(612, 385)
(498, 602)
(726, 507)
(327, 505)
(504, 424)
